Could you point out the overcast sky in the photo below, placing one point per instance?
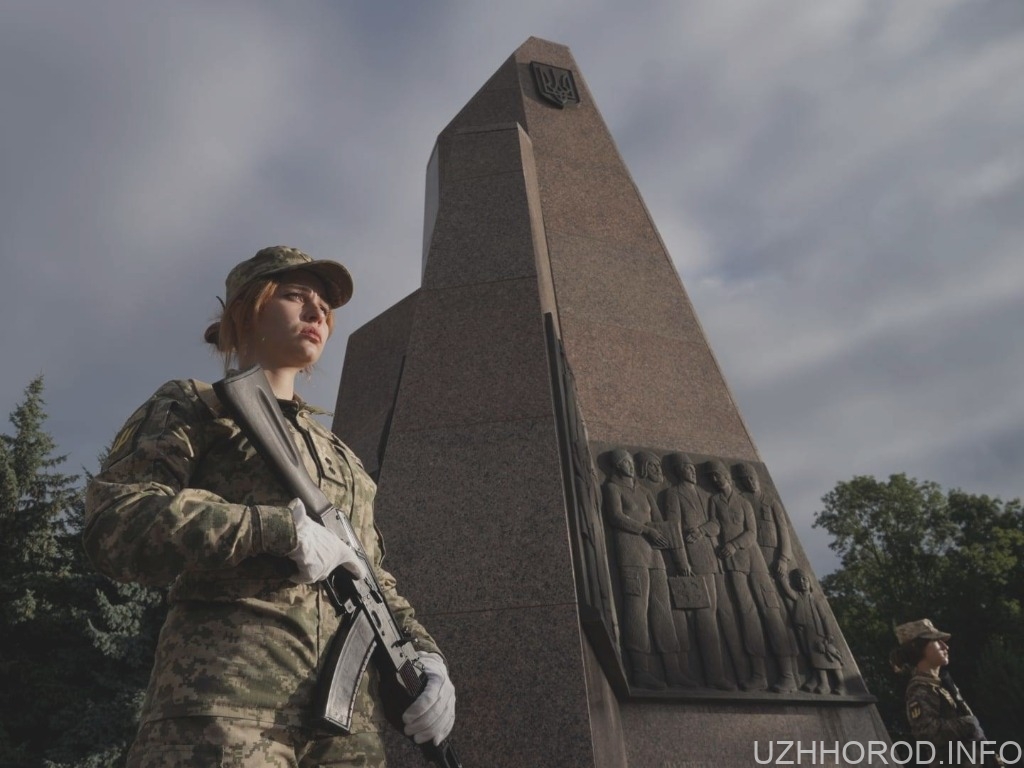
(839, 183)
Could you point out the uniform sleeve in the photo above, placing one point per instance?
(143, 521)
(924, 713)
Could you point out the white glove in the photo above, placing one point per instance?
(319, 551)
(432, 714)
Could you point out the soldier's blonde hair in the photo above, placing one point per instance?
(238, 318)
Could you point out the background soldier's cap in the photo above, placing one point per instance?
(281, 258)
(922, 628)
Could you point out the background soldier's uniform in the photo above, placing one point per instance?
(183, 497)
(940, 716)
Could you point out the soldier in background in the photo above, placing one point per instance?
(936, 710)
(183, 500)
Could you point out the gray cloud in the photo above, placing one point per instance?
(840, 186)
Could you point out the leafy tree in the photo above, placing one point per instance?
(908, 550)
(75, 648)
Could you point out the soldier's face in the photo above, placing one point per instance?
(689, 473)
(653, 470)
(936, 653)
(291, 329)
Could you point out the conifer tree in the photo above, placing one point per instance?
(115, 630)
(75, 648)
(33, 657)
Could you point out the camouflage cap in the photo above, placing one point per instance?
(922, 628)
(281, 258)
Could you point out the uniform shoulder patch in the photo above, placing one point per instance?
(123, 439)
(914, 710)
(141, 421)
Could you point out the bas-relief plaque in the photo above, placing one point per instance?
(687, 579)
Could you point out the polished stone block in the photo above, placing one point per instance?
(638, 388)
(473, 519)
(609, 283)
(521, 700)
(476, 354)
(370, 378)
(483, 229)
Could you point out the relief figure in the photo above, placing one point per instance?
(646, 620)
(772, 525)
(652, 477)
(752, 588)
(810, 617)
(693, 556)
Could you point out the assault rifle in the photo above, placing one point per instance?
(368, 628)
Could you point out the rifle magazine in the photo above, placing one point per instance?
(350, 653)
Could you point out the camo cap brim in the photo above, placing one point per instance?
(281, 258)
(922, 628)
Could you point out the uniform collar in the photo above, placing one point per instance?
(297, 406)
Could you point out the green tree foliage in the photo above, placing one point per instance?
(75, 648)
(115, 628)
(909, 550)
(33, 496)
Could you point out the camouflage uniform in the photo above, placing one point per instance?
(184, 499)
(940, 716)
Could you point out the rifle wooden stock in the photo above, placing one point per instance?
(368, 628)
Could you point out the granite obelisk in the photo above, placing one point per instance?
(567, 490)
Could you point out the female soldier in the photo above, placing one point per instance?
(183, 499)
(936, 710)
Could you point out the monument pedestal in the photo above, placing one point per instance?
(550, 338)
